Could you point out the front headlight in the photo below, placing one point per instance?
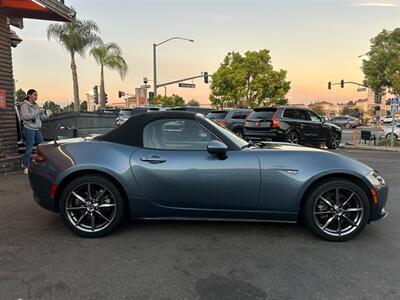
(376, 179)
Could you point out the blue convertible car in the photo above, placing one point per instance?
(180, 165)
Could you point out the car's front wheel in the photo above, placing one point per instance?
(239, 133)
(333, 140)
(336, 210)
(91, 206)
(389, 136)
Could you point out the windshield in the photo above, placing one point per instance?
(233, 137)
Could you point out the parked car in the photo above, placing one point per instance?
(125, 114)
(233, 119)
(389, 120)
(291, 124)
(196, 109)
(346, 121)
(386, 132)
(180, 165)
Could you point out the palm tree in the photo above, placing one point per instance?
(109, 55)
(75, 37)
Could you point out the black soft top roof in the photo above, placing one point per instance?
(131, 132)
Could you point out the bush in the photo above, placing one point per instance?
(386, 143)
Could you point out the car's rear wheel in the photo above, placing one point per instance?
(239, 133)
(91, 206)
(292, 137)
(347, 125)
(333, 140)
(336, 210)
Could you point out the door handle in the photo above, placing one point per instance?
(153, 159)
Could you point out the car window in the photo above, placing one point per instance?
(217, 115)
(176, 134)
(288, 113)
(262, 114)
(301, 114)
(239, 115)
(313, 116)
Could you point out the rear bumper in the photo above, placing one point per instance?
(41, 186)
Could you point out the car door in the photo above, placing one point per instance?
(303, 124)
(174, 169)
(318, 132)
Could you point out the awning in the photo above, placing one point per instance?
(53, 10)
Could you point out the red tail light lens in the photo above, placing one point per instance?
(221, 123)
(53, 190)
(40, 157)
(275, 121)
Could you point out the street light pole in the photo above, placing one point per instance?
(155, 59)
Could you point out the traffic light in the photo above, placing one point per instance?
(205, 77)
(96, 94)
(377, 97)
(145, 80)
(105, 98)
(342, 83)
(329, 85)
(121, 94)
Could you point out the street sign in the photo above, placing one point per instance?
(361, 89)
(394, 108)
(394, 101)
(186, 85)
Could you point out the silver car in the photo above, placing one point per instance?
(386, 131)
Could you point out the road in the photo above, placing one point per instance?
(41, 259)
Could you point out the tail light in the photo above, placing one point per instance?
(221, 122)
(275, 121)
(40, 157)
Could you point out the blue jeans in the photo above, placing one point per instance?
(30, 136)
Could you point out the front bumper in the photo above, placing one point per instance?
(378, 211)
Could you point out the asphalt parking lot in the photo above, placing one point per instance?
(41, 259)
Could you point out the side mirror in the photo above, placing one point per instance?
(217, 148)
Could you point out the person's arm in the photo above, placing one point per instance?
(26, 115)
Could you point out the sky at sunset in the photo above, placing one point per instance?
(315, 41)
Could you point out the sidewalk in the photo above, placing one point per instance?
(369, 147)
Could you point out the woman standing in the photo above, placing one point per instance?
(32, 116)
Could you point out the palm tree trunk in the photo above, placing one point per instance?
(102, 89)
(75, 83)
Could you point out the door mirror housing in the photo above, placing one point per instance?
(216, 147)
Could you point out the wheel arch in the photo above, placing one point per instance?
(70, 177)
(346, 176)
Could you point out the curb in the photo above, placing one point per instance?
(371, 148)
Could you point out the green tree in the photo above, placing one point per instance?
(248, 81)
(51, 105)
(109, 55)
(84, 106)
(168, 101)
(75, 37)
(382, 67)
(193, 102)
(68, 108)
(20, 95)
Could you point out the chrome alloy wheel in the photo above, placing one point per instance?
(293, 138)
(338, 211)
(90, 207)
(335, 140)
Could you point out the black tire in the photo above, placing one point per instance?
(314, 209)
(347, 125)
(333, 141)
(239, 133)
(388, 136)
(292, 137)
(106, 205)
